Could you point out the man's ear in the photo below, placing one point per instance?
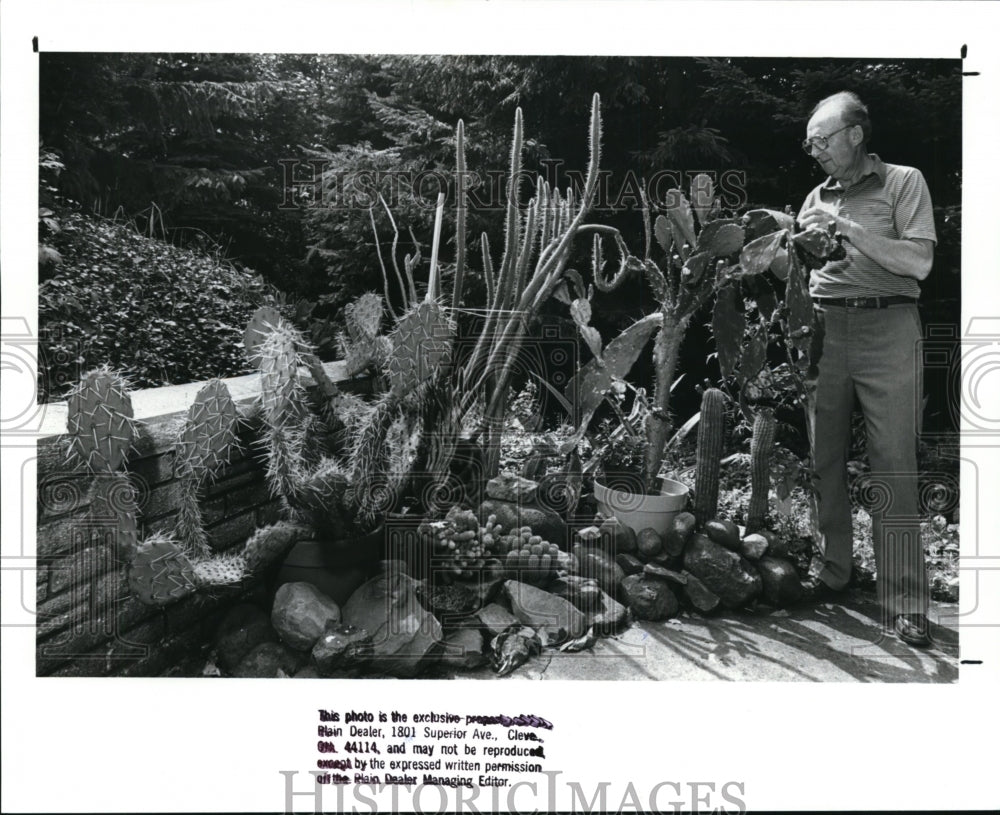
(857, 135)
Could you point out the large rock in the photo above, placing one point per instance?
(463, 650)
(593, 563)
(582, 592)
(699, 595)
(610, 618)
(754, 546)
(510, 516)
(617, 538)
(781, 585)
(511, 488)
(447, 602)
(678, 533)
(725, 533)
(649, 542)
(300, 614)
(495, 619)
(663, 573)
(269, 660)
(405, 636)
(341, 647)
(559, 619)
(649, 598)
(242, 629)
(630, 564)
(725, 573)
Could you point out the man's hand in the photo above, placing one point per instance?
(820, 218)
(904, 257)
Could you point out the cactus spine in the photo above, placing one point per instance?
(761, 447)
(711, 429)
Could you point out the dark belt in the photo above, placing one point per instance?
(865, 302)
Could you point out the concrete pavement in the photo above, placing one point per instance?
(822, 642)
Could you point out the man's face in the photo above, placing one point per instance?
(840, 153)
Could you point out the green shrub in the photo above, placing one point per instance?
(162, 314)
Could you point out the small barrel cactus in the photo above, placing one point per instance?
(711, 429)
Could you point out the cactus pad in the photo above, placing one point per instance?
(421, 345)
(278, 363)
(160, 573)
(269, 544)
(263, 322)
(209, 437)
(364, 317)
(100, 422)
(222, 570)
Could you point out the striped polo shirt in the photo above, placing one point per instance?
(892, 201)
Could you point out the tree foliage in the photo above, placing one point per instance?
(194, 149)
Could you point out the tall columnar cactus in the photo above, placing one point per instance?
(102, 431)
(761, 447)
(208, 441)
(711, 430)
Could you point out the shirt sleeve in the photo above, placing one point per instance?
(810, 201)
(913, 214)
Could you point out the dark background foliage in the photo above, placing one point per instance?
(192, 150)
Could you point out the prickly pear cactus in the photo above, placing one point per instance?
(222, 570)
(115, 507)
(160, 572)
(278, 364)
(264, 320)
(421, 344)
(364, 317)
(363, 348)
(209, 437)
(711, 429)
(100, 424)
(370, 484)
(269, 543)
(760, 468)
(206, 445)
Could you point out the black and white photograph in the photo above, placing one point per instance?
(537, 348)
(661, 378)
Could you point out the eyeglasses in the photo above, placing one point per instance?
(822, 142)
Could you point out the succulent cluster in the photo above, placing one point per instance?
(460, 541)
(531, 558)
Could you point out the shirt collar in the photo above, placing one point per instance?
(878, 169)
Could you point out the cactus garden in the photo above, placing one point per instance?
(474, 490)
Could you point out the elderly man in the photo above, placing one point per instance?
(868, 306)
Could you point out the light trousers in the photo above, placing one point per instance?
(873, 354)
